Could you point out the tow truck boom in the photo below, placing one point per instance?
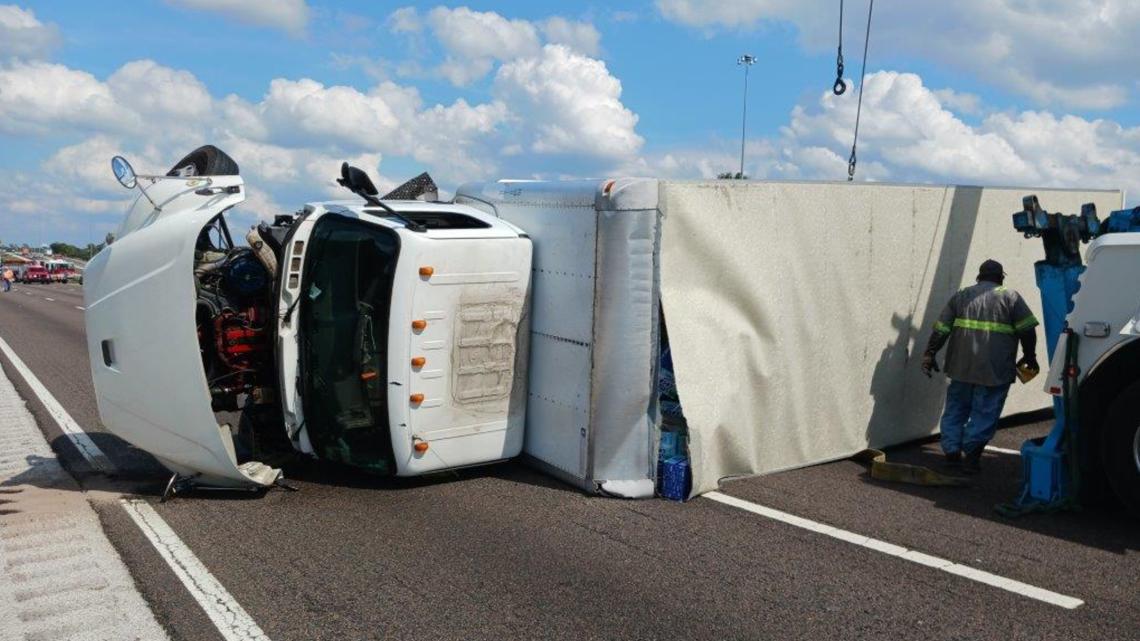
(1095, 359)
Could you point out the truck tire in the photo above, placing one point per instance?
(1120, 451)
(206, 160)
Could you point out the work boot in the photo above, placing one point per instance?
(972, 464)
(953, 459)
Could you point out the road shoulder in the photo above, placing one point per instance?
(59, 575)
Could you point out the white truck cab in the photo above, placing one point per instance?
(446, 359)
(385, 335)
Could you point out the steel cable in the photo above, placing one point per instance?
(859, 109)
(840, 85)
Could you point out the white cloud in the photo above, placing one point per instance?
(1068, 53)
(22, 35)
(389, 119)
(154, 91)
(141, 97)
(87, 165)
(306, 111)
(462, 72)
(291, 16)
(293, 139)
(740, 13)
(570, 102)
(483, 34)
(405, 20)
(960, 101)
(261, 205)
(240, 118)
(474, 40)
(36, 97)
(582, 37)
(272, 163)
(907, 127)
(549, 104)
(909, 134)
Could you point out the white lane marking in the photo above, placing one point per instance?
(1017, 587)
(80, 308)
(1002, 450)
(228, 616)
(51, 299)
(82, 441)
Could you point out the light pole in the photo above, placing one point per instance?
(747, 60)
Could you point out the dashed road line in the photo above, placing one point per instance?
(914, 556)
(228, 616)
(1002, 450)
(51, 299)
(81, 308)
(82, 441)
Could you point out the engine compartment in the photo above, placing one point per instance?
(234, 288)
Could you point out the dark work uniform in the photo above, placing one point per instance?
(982, 322)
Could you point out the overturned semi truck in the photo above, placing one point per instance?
(528, 318)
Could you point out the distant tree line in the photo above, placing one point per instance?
(71, 251)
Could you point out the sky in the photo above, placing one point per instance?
(1034, 93)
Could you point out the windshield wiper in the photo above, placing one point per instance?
(358, 182)
(392, 213)
(289, 312)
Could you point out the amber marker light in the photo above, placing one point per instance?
(420, 446)
(426, 271)
(419, 361)
(419, 325)
(368, 376)
(417, 398)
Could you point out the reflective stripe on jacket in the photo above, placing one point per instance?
(983, 322)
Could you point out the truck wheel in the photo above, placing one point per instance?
(1121, 446)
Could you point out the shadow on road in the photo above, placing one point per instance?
(139, 474)
(324, 473)
(1106, 527)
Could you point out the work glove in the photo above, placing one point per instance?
(929, 365)
(1030, 361)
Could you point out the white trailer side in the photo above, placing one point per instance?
(796, 314)
(798, 311)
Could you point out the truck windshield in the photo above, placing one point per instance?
(347, 289)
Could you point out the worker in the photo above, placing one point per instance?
(983, 325)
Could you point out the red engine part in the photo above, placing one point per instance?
(241, 338)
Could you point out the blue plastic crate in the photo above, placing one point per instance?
(675, 478)
(670, 445)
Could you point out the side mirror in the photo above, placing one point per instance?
(355, 179)
(124, 173)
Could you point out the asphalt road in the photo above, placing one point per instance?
(504, 552)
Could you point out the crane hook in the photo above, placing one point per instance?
(840, 86)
